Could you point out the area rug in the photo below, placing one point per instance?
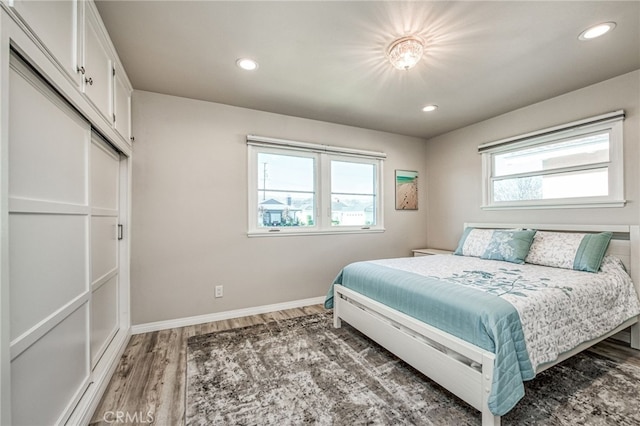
(303, 371)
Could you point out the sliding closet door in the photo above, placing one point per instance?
(105, 172)
(49, 223)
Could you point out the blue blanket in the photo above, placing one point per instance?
(480, 318)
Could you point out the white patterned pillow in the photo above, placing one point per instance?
(582, 252)
(474, 242)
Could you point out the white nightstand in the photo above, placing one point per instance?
(429, 252)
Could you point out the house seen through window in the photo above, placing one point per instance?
(353, 194)
(286, 190)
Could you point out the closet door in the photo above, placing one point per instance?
(49, 222)
(105, 172)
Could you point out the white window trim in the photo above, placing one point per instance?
(323, 154)
(613, 122)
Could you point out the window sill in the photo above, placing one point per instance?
(562, 205)
(289, 233)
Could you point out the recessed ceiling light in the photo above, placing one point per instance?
(247, 64)
(430, 108)
(596, 31)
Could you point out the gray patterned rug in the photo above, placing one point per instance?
(302, 370)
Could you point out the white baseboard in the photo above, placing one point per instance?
(201, 319)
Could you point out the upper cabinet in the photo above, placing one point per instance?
(73, 35)
(97, 64)
(57, 25)
(121, 103)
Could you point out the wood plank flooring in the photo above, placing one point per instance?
(151, 375)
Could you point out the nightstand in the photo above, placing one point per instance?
(429, 252)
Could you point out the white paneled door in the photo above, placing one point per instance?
(63, 250)
(48, 250)
(105, 171)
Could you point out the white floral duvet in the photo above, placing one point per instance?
(559, 308)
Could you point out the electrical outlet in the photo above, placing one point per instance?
(219, 291)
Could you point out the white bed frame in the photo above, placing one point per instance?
(464, 369)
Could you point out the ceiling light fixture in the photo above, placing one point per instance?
(405, 52)
(247, 64)
(596, 31)
(430, 108)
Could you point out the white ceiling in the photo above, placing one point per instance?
(326, 60)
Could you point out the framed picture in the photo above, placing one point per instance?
(406, 190)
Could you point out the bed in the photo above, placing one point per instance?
(471, 322)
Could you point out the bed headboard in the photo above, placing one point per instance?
(625, 243)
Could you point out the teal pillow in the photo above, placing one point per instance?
(591, 251)
(510, 246)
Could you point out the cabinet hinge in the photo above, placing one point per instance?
(114, 71)
(114, 118)
(120, 231)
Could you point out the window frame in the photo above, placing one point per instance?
(323, 155)
(611, 123)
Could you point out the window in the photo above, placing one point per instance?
(353, 193)
(576, 165)
(286, 189)
(302, 188)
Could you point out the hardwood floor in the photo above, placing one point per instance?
(149, 382)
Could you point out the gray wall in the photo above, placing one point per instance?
(189, 211)
(454, 168)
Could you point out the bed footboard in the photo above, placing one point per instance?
(464, 369)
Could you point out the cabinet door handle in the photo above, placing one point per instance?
(89, 81)
(80, 70)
